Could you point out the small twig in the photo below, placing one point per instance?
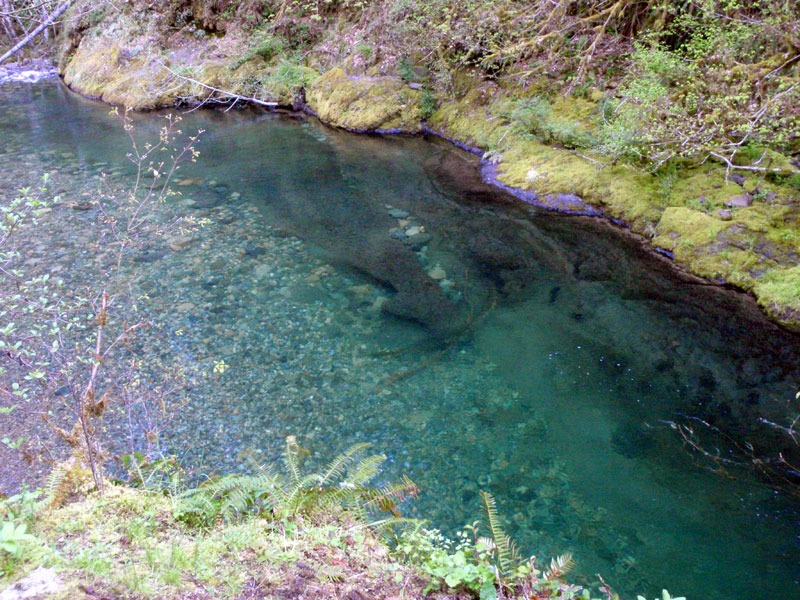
(597, 162)
(776, 69)
(790, 431)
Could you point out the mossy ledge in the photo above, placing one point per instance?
(745, 235)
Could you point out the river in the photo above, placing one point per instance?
(368, 288)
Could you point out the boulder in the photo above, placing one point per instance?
(740, 201)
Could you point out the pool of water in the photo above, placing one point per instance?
(537, 356)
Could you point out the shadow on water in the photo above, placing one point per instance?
(375, 289)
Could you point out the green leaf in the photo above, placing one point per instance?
(7, 531)
(488, 591)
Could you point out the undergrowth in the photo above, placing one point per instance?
(274, 533)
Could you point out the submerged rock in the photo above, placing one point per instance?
(416, 242)
(148, 255)
(437, 273)
(253, 250)
(398, 213)
(180, 242)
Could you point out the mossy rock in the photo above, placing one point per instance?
(701, 186)
(365, 103)
(680, 227)
(119, 65)
(621, 192)
(469, 121)
(779, 294)
(98, 69)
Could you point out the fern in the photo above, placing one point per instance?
(387, 498)
(53, 487)
(68, 479)
(343, 484)
(292, 458)
(561, 565)
(366, 470)
(338, 466)
(508, 557)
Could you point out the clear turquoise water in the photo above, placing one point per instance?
(545, 368)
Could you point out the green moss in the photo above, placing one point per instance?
(622, 192)
(779, 293)
(702, 185)
(731, 265)
(682, 227)
(758, 217)
(365, 103)
(465, 126)
(575, 109)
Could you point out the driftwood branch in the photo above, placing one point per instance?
(234, 97)
(44, 25)
(730, 166)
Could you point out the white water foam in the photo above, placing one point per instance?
(13, 74)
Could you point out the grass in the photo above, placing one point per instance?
(128, 544)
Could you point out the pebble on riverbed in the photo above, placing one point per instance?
(398, 213)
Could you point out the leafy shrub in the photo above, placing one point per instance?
(484, 565)
(461, 564)
(427, 104)
(491, 567)
(405, 69)
(264, 44)
(290, 75)
(365, 50)
(20, 507)
(707, 88)
(268, 46)
(12, 535)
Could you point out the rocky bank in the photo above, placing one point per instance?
(731, 229)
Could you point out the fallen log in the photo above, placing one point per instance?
(44, 25)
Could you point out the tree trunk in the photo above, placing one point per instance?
(8, 24)
(45, 24)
